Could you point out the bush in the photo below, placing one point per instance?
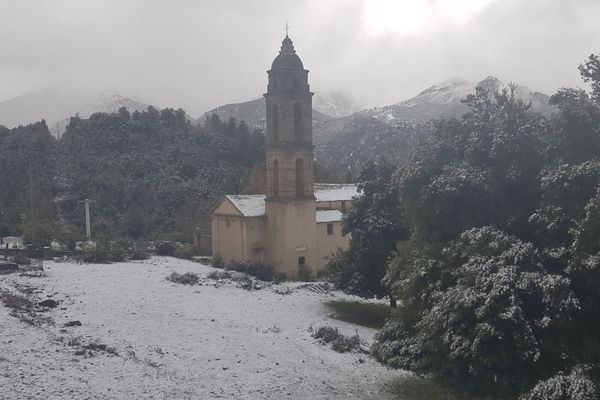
(186, 251)
(575, 386)
(218, 275)
(343, 273)
(138, 255)
(217, 261)
(103, 253)
(166, 249)
(264, 272)
(189, 278)
(304, 273)
(339, 342)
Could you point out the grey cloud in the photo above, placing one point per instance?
(199, 54)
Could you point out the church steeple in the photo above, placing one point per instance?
(289, 128)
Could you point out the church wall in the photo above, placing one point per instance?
(227, 238)
(291, 234)
(254, 239)
(328, 244)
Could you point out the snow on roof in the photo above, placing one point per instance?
(251, 205)
(335, 191)
(329, 216)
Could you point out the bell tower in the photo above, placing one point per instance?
(289, 128)
(290, 202)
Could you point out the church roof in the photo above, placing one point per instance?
(253, 205)
(329, 216)
(335, 191)
(287, 56)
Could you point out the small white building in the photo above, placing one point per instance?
(14, 242)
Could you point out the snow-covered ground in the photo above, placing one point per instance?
(206, 341)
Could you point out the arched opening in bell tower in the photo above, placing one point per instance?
(299, 177)
(298, 121)
(275, 120)
(275, 183)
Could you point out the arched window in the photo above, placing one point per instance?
(275, 177)
(298, 121)
(299, 177)
(275, 120)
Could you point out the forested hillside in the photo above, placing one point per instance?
(152, 174)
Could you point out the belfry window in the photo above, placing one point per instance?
(275, 118)
(298, 121)
(275, 177)
(299, 177)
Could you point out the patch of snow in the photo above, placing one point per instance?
(178, 341)
(335, 191)
(252, 205)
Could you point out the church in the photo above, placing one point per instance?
(297, 223)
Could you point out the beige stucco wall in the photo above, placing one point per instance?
(291, 234)
(238, 238)
(254, 239)
(227, 237)
(328, 244)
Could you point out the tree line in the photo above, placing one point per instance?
(152, 175)
(488, 239)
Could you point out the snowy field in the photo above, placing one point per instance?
(164, 340)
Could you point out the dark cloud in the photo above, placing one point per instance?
(199, 54)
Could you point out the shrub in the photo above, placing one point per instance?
(264, 272)
(344, 344)
(138, 255)
(327, 334)
(218, 275)
(189, 278)
(166, 248)
(103, 253)
(339, 342)
(186, 251)
(217, 261)
(575, 386)
(304, 273)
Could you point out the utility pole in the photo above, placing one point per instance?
(88, 229)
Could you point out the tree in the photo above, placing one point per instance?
(375, 224)
(590, 71)
(490, 315)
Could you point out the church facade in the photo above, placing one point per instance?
(297, 222)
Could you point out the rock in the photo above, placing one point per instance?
(48, 303)
(73, 323)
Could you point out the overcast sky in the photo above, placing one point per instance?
(198, 54)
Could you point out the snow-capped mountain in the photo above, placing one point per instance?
(335, 105)
(253, 112)
(443, 100)
(56, 107)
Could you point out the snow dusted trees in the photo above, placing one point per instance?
(489, 313)
(375, 223)
(498, 285)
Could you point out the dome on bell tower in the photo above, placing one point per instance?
(287, 57)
